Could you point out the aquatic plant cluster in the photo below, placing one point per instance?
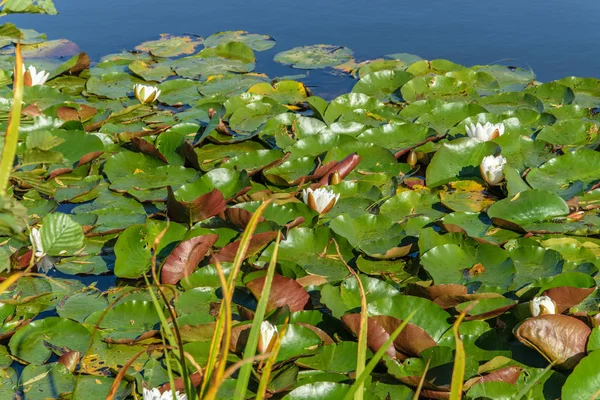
(433, 233)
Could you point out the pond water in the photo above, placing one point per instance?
(556, 38)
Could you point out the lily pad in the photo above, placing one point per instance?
(171, 46)
(458, 159)
(560, 173)
(526, 208)
(29, 343)
(255, 41)
(314, 57)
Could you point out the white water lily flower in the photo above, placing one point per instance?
(268, 332)
(485, 132)
(542, 305)
(36, 239)
(34, 78)
(155, 394)
(320, 200)
(491, 169)
(146, 93)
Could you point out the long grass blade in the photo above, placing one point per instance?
(214, 371)
(169, 370)
(226, 335)
(251, 344)
(458, 372)
(361, 357)
(359, 382)
(422, 381)
(11, 138)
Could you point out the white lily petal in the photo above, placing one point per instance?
(536, 304)
(268, 331)
(38, 78)
(36, 239)
(485, 132)
(145, 93)
(154, 394)
(322, 198)
(491, 169)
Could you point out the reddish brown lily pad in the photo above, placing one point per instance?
(184, 259)
(148, 148)
(507, 374)
(559, 338)
(257, 243)
(434, 291)
(411, 341)
(284, 292)
(566, 297)
(72, 114)
(206, 206)
(239, 217)
(89, 157)
(376, 334)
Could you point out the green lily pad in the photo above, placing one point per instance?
(314, 57)
(458, 159)
(29, 342)
(437, 86)
(560, 173)
(570, 132)
(383, 85)
(80, 305)
(128, 320)
(112, 85)
(521, 152)
(373, 234)
(295, 249)
(353, 101)
(60, 235)
(171, 46)
(438, 67)
(528, 207)
(452, 264)
(585, 89)
(43, 381)
(397, 136)
(584, 380)
(255, 41)
(134, 246)
(445, 116)
(152, 71)
(552, 94)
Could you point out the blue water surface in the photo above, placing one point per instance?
(555, 38)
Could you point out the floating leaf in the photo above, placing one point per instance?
(458, 159)
(170, 46)
(29, 342)
(284, 293)
(184, 259)
(253, 40)
(561, 172)
(60, 235)
(313, 57)
(559, 338)
(526, 208)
